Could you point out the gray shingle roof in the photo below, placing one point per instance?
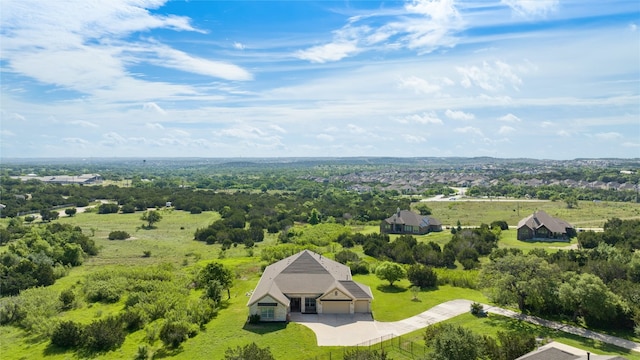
(306, 273)
(407, 217)
(541, 218)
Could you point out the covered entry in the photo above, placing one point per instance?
(336, 306)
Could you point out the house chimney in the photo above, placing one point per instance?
(398, 212)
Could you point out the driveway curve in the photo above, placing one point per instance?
(362, 329)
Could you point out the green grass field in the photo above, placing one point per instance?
(172, 242)
(587, 214)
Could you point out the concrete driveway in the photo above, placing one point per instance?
(361, 329)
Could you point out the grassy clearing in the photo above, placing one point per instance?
(587, 214)
(172, 242)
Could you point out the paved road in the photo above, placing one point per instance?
(361, 329)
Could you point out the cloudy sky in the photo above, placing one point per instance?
(556, 79)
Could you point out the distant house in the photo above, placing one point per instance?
(559, 351)
(308, 283)
(84, 179)
(541, 225)
(408, 222)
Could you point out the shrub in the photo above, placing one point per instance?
(67, 334)
(108, 209)
(500, 224)
(119, 235)
(67, 298)
(174, 333)
(146, 253)
(143, 353)
(477, 309)
(359, 267)
(105, 334)
(422, 276)
(345, 256)
(128, 209)
(254, 318)
(195, 210)
(248, 352)
(103, 291)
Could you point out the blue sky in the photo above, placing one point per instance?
(549, 79)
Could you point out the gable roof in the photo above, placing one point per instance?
(306, 273)
(541, 218)
(407, 217)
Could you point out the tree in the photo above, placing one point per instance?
(422, 276)
(365, 354)
(70, 212)
(314, 218)
(423, 208)
(390, 272)
(67, 334)
(48, 215)
(214, 271)
(151, 217)
(174, 333)
(248, 352)
(523, 280)
(452, 342)
(587, 295)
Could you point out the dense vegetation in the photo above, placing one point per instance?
(262, 215)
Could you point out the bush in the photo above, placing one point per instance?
(128, 209)
(254, 318)
(195, 210)
(477, 309)
(108, 209)
(146, 253)
(422, 276)
(248, 352)
(500, 224)
(67, 298)
(119, 235)
(67, 334)
(105, 334)
(359, 267)
(345, 256)
(174, 333)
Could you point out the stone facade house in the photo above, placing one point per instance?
(308, 283)
(541, 225)
(408, 222)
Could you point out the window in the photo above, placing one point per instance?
(267, 313)
(309, 304)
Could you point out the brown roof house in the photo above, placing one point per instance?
(408, 222)
(308, 283)
(542, 226)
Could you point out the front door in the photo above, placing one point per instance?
(295, 304)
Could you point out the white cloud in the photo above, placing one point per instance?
(425, 118)
(328, 52)
(238, 45)
(469, 130)
(546, 124)
(631, 144)
(277, 128)
(76, 141)
(510, 118)
(532, 7)
(459, 115)
(490, 77)
(609, 136)
(414, 139)
(418, 85)
(155, 126)
(325, 137)
(113, 139)
(40, 38)
(83, 123)
(425, 25)
(355, 129)
(504, 130)
(153, 107)
(563, 133)
(6, 133)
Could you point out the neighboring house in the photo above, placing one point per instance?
(408, 222)
(308, 283)
(84, 179)
(559, 351)
(541, 225)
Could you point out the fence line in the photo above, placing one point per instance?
(407, 347)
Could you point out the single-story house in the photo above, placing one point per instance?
(408, 222)
(307, 283)
(541, 225)
(559, 351)
(84, 179)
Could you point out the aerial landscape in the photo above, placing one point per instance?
(358, 180)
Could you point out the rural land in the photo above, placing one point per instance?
(438, 258)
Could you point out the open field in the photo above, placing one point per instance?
(172, 242)
(587, 215)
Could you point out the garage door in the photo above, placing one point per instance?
(335, 307)
(362, 306)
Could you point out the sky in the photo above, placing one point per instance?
(545, 79)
